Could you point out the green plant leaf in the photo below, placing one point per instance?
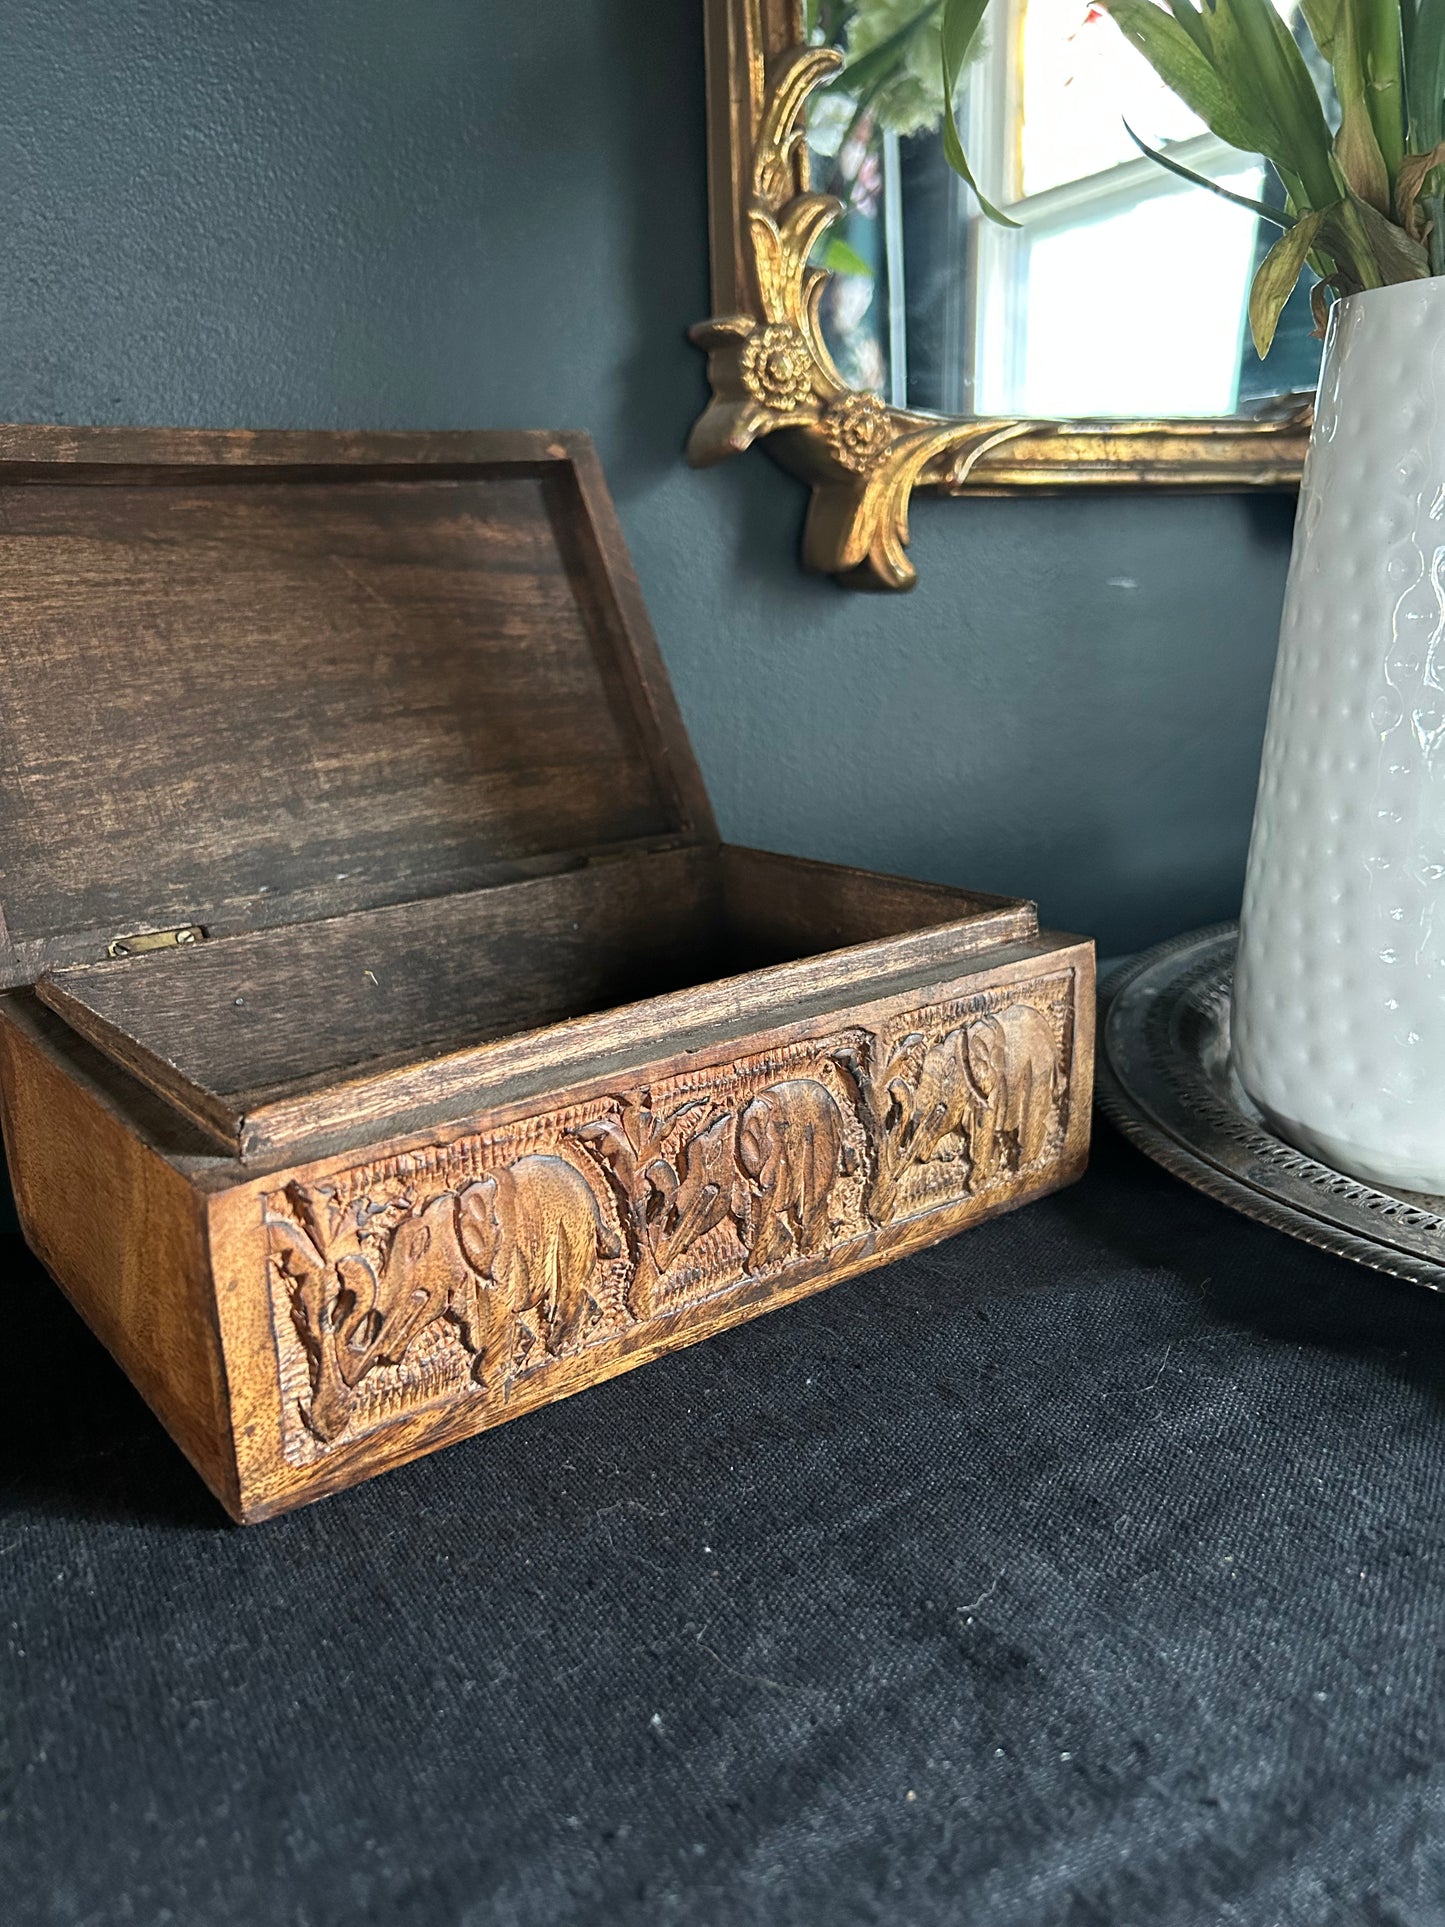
(1382, 54)
(1176, 55)
(1425, 77)
(1357, 146)
(1274, 282)
(1371, 250)
(1425, 107)
(1322, 18)
(1188, 16)
(958, 31)
(1421, 177)
(1237, 67)
(1264, 73)
(1357, 149)
(1275, 215)
(838, 258)
(953, 153)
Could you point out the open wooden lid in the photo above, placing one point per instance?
(258, 679)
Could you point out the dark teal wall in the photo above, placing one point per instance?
(454, 213)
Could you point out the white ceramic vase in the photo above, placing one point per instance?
(1339, 997)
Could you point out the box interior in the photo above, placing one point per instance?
(384, 721)
(232, 1025)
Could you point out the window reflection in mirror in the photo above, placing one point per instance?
(1123, 291)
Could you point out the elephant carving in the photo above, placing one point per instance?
(792, 1148)
(1012, 1065)
(422, 1274)
(534, 1235)
(768, 1169)
(990, 1084)
(527, 1239)
(393, 1282)
(942, 1103)
(354, 1312)
(683, 1208)
(911, 1098)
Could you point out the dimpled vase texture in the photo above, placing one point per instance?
(1339, 996)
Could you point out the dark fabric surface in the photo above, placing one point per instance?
(1086, 1569)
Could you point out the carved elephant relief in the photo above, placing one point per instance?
(525, 1240)
(943, 1102)
(712, 1179)
(983, 1090)
(1012, 1065)
(534, 1236)
(686, 1197)
(792, 1147)
(912, 1098)
(355, 1310)
(768, 1168)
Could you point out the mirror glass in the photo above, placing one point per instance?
(1123, 290)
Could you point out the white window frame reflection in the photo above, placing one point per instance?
(988, 328)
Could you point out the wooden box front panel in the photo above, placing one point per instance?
(418, 1295)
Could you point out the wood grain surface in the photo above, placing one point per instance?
(280, 1035)
(266, 693)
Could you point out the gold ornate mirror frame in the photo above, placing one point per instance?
(772, 375)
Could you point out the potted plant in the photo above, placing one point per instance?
(1339, 994)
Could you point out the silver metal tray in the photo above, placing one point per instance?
(1164, 1080)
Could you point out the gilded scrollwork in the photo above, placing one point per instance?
(770, 369)
(773, 378)
(461, 1271)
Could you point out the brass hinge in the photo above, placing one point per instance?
(154, 940)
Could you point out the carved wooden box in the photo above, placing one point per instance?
(390, 1046)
